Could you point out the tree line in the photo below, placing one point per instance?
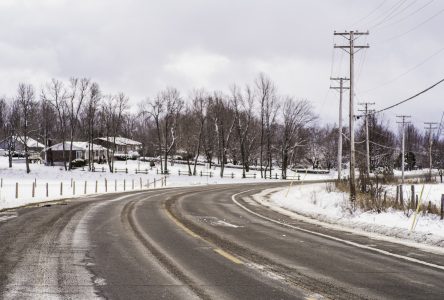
(250, 125)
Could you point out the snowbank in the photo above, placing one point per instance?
(315, 202)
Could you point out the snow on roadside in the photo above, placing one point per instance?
(315, 202)
(432, 192)
(56, 176)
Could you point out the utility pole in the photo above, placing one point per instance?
(367, 141)
(351, 49)
(403, 122)
(430, 130)
(341, 88)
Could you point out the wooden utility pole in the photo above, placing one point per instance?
(430, 130)
(341, 89)
(403, 122)
(367, 141)
(351, 49)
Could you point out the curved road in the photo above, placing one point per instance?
(209, 242)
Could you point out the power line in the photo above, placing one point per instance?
(369, 14)
(407, 16)
(415, 27)
(393, 13)
(406, 72)
(398, 13)
(383, 16)
(408, 99)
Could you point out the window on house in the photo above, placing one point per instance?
(79, 154)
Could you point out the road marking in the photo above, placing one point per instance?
(193, 234)
(228, 256)
(179, 224)
(410, 259)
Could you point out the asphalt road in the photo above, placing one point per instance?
(199, 243)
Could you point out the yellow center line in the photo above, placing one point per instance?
(228, 256)
(193, 234)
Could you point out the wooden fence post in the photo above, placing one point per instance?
(61, 188)
(73, 187)
(154, 182)
(84, 190)
(106, 186)
(132, 184)
(16, 190)
(442, 206)
(124, 184)
(47, 190)
(33, 190)
(413, 196)
(397, 194)
(115, 185)
(401, 195)
(97, 188)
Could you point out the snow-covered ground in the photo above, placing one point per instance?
(322, 202)
(73, 182)
(431, 192)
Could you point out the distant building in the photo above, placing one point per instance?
(18, 144)
(124, 147)
(79, 151)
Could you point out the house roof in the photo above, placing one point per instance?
(76, 146)
(31, 143)
(121, 141)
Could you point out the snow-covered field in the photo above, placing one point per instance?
(324, 203)
(73, 182)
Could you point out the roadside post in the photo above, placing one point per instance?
(442, 206)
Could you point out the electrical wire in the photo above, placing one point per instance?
(405, 100)
(398, 13)
(388, 12)
(405, 73)
(407, 16)
(389, 15)
(414, 28)
(369, 14)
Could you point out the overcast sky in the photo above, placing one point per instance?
(140, 47)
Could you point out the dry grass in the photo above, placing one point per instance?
(376, 199)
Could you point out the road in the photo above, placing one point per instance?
(210, 242)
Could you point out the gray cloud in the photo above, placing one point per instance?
(140, 47)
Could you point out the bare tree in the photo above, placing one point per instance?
(26, 103)
(92, 106)
(47, 126)
(200, 105)
(11, 127)
(156, 110)
(223, 123)
(56, 94)
(296, 114)
(173, 106)
(76, 96)
(243, 109)
(113, 113)
(266, 92)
